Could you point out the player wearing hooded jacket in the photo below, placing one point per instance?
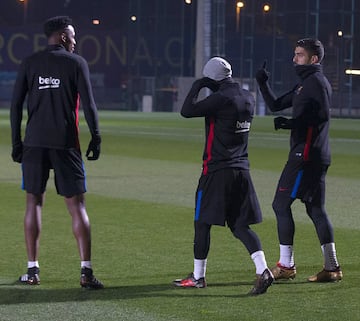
(54, 80)
(225, 193)
(304, 174)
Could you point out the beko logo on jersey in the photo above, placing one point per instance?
(48, 82)
(242, 127)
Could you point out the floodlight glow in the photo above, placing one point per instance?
(240, 4)
(352, 71)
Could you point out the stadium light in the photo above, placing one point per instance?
(239, 5)
(25, 4)
(266, 8)
(352, 72)
(188, 1)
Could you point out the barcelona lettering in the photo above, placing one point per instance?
(110, 53)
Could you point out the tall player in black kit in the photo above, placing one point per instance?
(54, 80)
(303, 176)
(225, 193)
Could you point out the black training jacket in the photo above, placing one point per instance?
(310, 101)
(54, 80)
(228, 115)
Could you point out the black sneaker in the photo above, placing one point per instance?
(190, 282)
(31, 277)
(88, 280)
(262, 283)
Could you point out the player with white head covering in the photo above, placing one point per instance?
(225, 193)
(217, 68)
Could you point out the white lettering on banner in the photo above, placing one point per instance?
(48, 82)
(242, 127)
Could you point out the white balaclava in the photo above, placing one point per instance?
(217, 69)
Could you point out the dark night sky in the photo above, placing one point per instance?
(162, 19)
(113, 13)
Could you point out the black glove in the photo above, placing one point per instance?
(283, 122)
(262, 75)
(17, 152)
(212, 84)
(94, 148)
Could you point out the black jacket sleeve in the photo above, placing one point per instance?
(87, 99)
(16, 109)
(194, 108)
(274, 103)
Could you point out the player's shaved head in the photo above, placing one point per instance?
(56, 24)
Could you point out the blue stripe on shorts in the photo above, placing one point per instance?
(22, 178)
(198, 205)
(83, 166)
(297, 184)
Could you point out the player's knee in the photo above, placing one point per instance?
(316, 213)
(240, 232)
(281, 207)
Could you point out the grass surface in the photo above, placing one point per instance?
(140, 202)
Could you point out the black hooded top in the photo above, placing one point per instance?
(310, 101)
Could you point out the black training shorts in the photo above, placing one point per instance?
(302, 180)
(227, 195)
(69, 173)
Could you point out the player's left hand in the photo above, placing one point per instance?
(212, 84)
(17, 152)
(282, 122)
(93, 151)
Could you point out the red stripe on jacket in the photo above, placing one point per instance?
(77, 107)
(210, 140)
(309, 135)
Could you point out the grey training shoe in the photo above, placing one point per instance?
(262, 283)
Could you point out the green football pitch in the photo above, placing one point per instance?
(140, 201)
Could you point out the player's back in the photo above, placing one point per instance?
(52, 78)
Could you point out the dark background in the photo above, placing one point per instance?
(160, 45)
